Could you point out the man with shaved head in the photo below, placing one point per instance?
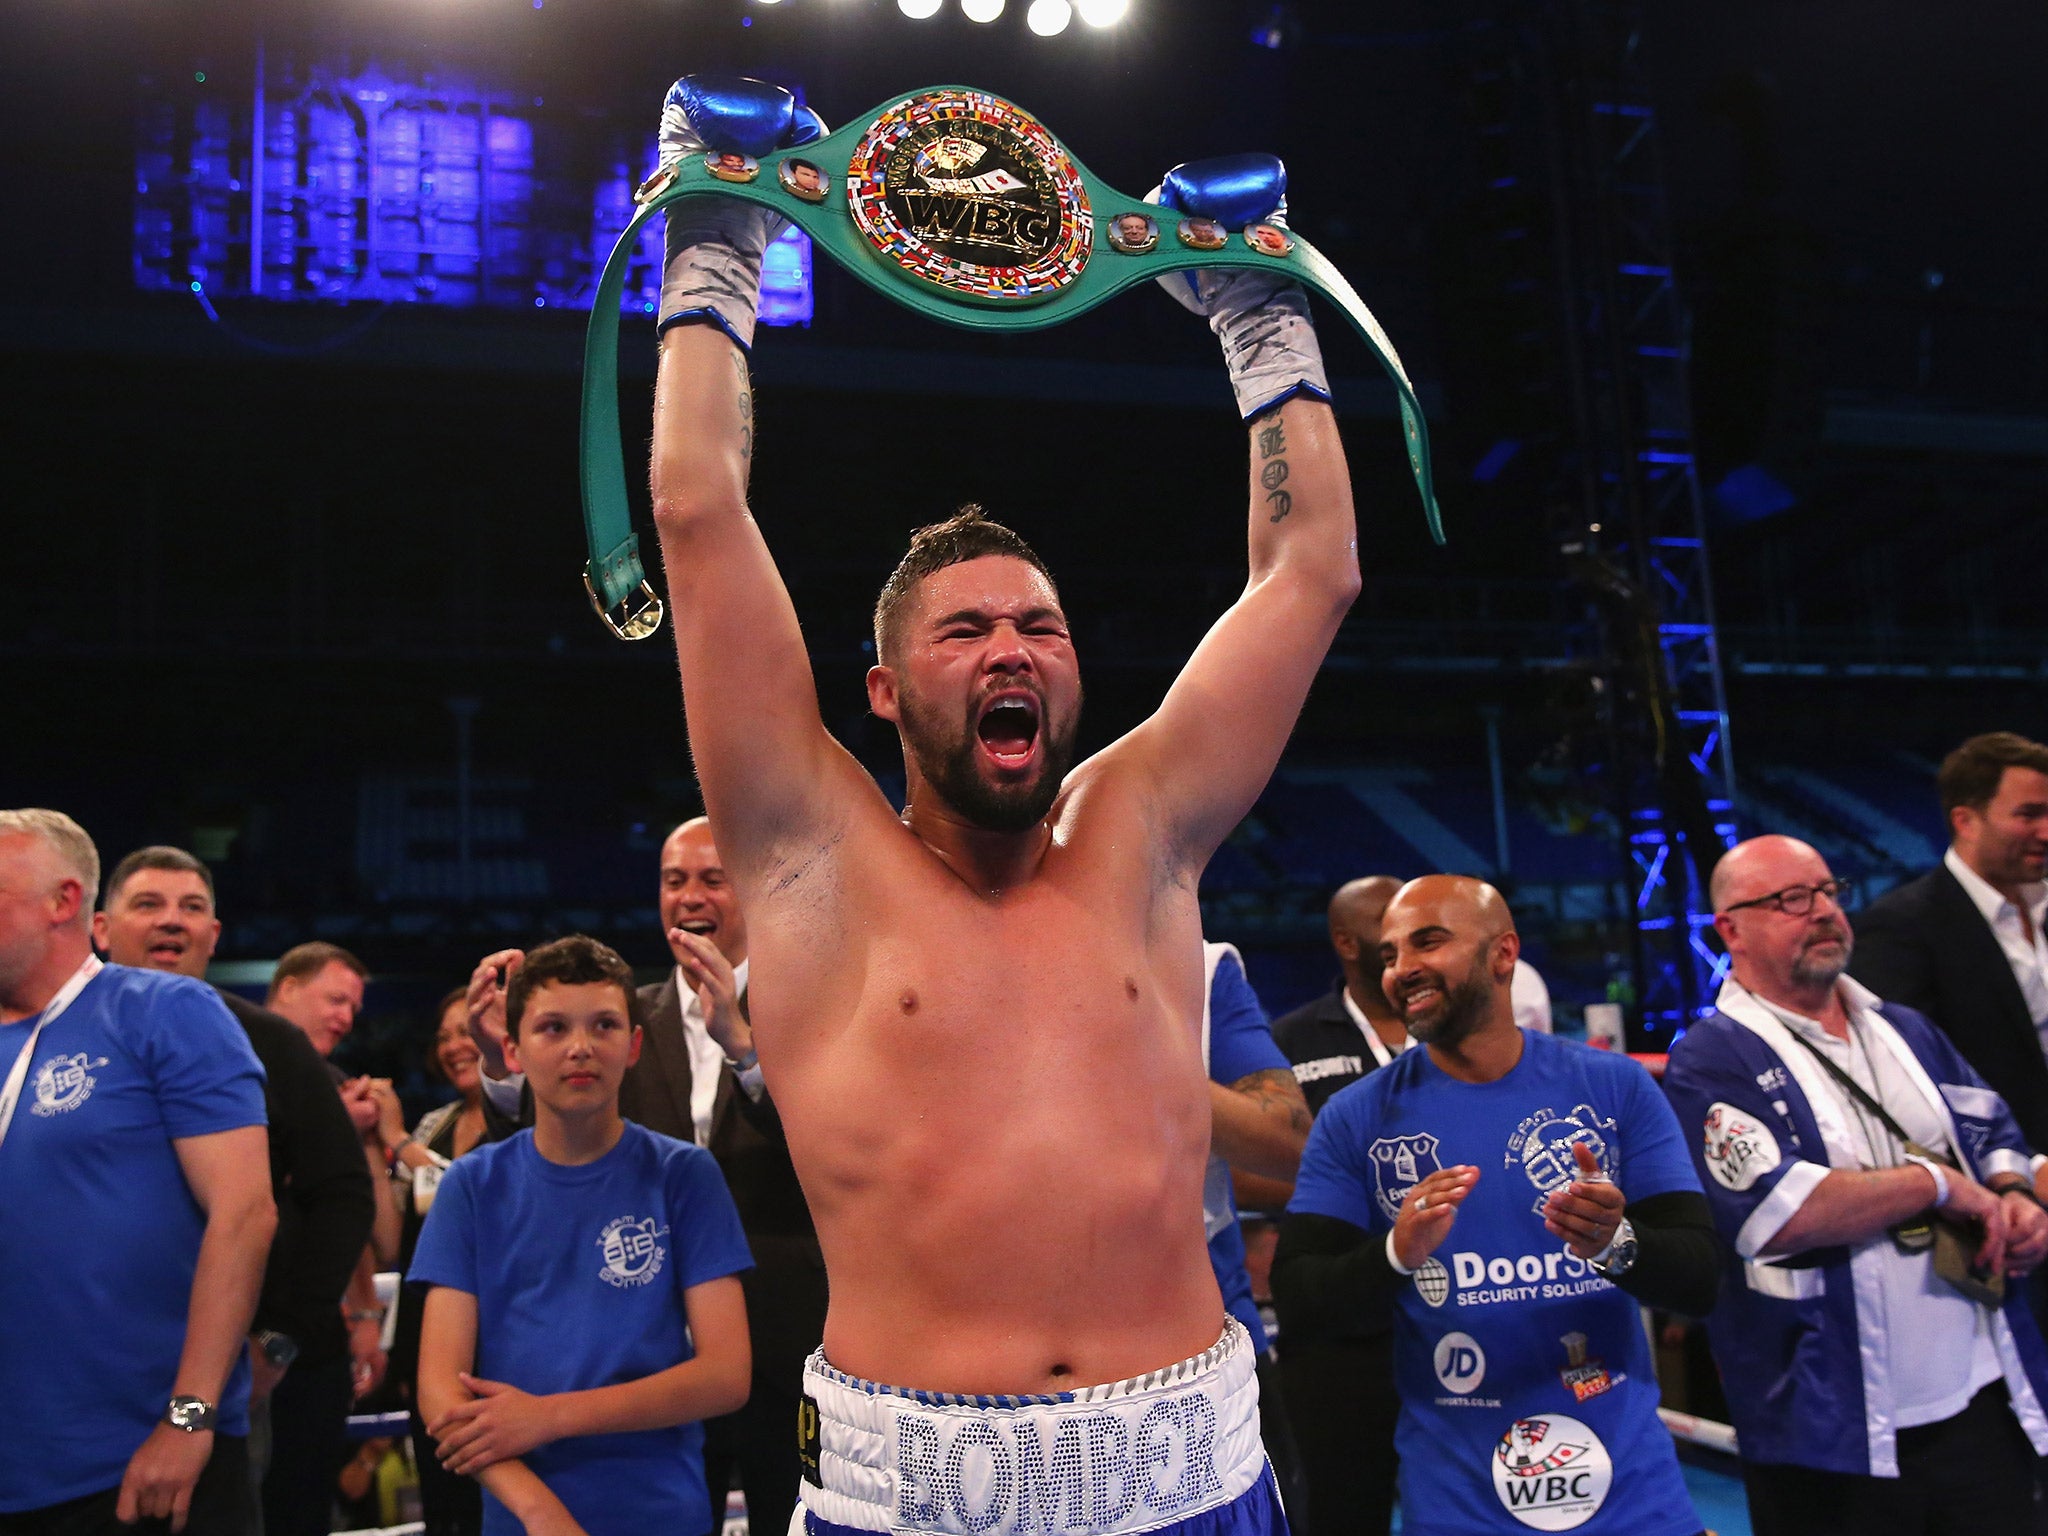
(1876, 1379)
(1339, 1037)
(1339, 1385)
(1519, 1198)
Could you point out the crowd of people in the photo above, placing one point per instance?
(938, 1268)
(613, 1280)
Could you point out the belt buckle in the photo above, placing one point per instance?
(633, 621)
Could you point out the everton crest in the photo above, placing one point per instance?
(1399, 1163)
(962, 189)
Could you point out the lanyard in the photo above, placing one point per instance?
(11, 1093)
(1382, 1053)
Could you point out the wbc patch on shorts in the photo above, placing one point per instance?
(1740, 1149)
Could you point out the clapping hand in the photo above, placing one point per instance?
(1585, 1212)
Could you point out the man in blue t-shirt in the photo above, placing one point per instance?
(586, 1312)
(1481, 1180)
(135, 1202)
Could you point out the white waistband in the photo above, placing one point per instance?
(1105, 1461)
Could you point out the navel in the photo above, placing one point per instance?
(908, 1001)
(1131, 988)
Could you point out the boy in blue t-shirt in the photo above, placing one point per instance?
(586, 1313)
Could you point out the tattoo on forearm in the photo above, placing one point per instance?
(1272, 444)
(1275, 1091)
(746, 403)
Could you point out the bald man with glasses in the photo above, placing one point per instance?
(1881, 1376)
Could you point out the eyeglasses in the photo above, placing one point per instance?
(1797, 900)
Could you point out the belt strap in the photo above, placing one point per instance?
(615, 577)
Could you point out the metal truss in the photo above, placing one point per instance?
(1650, 524)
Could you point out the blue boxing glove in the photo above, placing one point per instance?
(711, 264)
(1261, 317)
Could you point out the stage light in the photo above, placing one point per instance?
(981, 10)
(1049, 18)
(919, 10)
(1103, 13)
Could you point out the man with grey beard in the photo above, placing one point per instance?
(1875, 1384)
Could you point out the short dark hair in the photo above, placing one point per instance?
(157, 856)
(968, 534)
(302, 962)
(1969, 775)
(575, 961)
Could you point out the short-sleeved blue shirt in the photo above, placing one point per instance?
(1528, 1396)
(1240, 1043)
(99, 1233)
(579, 1275)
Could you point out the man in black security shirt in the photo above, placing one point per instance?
(1351, 1030)
(159, 914)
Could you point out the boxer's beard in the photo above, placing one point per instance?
(948, 762)
(1464, 1008)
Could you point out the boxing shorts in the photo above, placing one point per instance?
(1175, 1450)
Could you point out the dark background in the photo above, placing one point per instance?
(249, 564)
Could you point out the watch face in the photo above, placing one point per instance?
(189, 1413)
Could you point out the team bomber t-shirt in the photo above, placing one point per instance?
(1528, 1396)
(579, 1275)
(1240, 1043)
(101, 1233)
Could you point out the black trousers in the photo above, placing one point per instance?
(1342, 1406)
(759, 1441)
(1276, 1433)
(1971, 1475)
(220, 1504)
(450, 1505)
(308, 1443)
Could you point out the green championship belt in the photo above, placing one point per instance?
(961, 206)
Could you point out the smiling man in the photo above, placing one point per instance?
(1479, 1182)
(979, 1017)
(159, 915)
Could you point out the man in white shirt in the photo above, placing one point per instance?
(1869, 1392)
(698, 1080)
(1965, 944)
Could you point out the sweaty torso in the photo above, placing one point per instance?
(996, 1103)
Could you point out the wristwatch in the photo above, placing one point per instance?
(1620, 1257)
(191, 1414)
(280, 1349)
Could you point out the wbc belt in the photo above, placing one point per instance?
(963, 207)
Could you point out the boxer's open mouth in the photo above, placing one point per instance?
(1008, 729)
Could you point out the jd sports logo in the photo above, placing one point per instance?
(1460, 1363)
(996, 1476)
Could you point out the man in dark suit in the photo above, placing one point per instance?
(1339, 1388)
(1964, 944)
(698, 1079)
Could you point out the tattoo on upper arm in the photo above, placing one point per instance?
(1272, 445)
(1275, 1090)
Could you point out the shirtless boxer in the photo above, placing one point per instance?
(981, 1018)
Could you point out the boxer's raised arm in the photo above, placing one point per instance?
(1204, 758)
(1212, 746)
(770, 772)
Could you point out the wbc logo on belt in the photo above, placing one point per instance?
(965, 190)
